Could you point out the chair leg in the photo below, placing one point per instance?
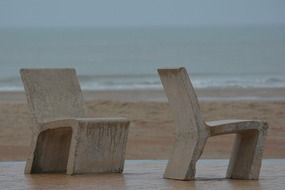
(100, 148)
(50, 151)
(246, 157)
(30, 159)
(182, 164)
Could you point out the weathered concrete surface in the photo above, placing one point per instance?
(101, 146)
(144, 175)
(192, 133)
(53, 93)
(64, 140)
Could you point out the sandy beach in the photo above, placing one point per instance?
(152, 129)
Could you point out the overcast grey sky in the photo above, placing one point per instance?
(140, 12)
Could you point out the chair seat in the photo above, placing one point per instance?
(74, 122)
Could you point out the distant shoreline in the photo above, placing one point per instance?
(204, 94)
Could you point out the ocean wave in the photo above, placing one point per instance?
(115, 82)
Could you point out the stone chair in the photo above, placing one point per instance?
(64, 140)
(192, 133)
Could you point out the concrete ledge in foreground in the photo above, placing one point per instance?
(144, 174)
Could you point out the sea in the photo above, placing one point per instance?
(128, 57)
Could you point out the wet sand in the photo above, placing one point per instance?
(206, 94)
(145, 174)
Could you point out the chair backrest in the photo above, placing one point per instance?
(53, 93)
(183, 101)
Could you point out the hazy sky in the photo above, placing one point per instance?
(140, 12)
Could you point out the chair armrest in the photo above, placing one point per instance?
(71, 122)
(235, 126)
